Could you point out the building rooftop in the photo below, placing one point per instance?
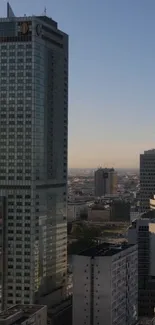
(149, 152)
(18, 314)
(146, 321)
(105, 249)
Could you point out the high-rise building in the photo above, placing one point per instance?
(33, 155)
(142, 233)
(105, 181)
(147, 178)
(105, 285)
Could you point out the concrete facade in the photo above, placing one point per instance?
(105, 286)
(99, 215)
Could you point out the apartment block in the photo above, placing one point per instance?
(105, 285)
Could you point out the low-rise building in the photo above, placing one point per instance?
(120, 210)
(75, 209)
(24, 315)
(99, 213)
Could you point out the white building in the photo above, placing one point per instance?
(147, 178)
(105, 285)
(33, 155)
(24, 315)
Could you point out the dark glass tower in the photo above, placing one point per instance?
(33, 155)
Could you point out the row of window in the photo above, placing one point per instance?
(12, 178)
(17, 295)
(11, 171)
(15, 80)
(12, 47)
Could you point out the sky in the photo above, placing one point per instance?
(111, 76)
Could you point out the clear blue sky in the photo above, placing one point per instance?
(112, 76)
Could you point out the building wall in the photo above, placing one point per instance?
(102, 290)
(147, 179)
(99, 215)
(105, 288)
(81, 290)
(152, 249)
(33, 155)
(120, 210)
(142, 233)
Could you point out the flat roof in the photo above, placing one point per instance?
(25, 310)
(105, 249)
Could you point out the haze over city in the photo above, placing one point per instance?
(112, 77)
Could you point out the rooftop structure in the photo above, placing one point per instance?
(21, 314)
(105, 249)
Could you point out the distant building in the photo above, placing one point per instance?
(24, 315)
(120, 210)
(99, 213)
(105, 285)
(147, 178)
(76, 209)
(142, 232)
(105, 181)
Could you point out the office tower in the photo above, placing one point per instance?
(147, 178)
(142, 233)
(33, 155)
(105, 181)
(24, 314)
(105, 285)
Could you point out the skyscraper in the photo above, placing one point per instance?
(142, 233)
(105, 181)
(147, 178)
(33, 155)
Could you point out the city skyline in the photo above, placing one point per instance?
(112, 73)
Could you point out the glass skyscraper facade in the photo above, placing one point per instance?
(33, 156)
